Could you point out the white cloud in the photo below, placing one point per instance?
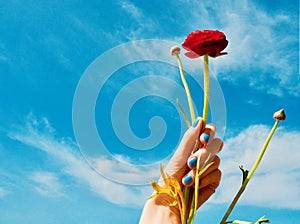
(143, 23)
(47, 184)
(132, 10)
(276, 181)
(131, 174)
(94, 33)
(35, 133)
(261, 43)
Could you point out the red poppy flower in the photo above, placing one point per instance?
(210, 42)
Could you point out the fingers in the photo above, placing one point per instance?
(209, 146)
(177, 164)
(212, 147)
(215, 146)
(191, 137)
(205, 194)
(210, 151)
(215, 165)
(210, 176)
(211, 179)
(208, 185)
(208, 134)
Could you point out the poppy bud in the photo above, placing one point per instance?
(175, 50)
(279, 115)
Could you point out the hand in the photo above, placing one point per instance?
(182, 167)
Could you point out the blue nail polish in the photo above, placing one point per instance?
(206, 137)
(187, 179)
(192, 163)
(196, 122)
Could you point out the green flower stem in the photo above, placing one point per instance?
(186, 196)
(183, 114)
(242, 188)
(199, 172)
(192, 211)
(206, 88)
(187, 90)
(196, 193)
(186, 190)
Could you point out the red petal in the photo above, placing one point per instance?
(192, 54)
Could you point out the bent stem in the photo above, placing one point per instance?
(183, 114)
(242, 188)
(206, 89)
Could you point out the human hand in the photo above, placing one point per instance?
(182, 167)
(183, 163)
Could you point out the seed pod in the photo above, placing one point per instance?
(175, 50)
(279, 115)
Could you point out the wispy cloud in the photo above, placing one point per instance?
(56, 46)
(47, 184)
(143, 23)
(276, 181)
(260, 41)
(132, 10)
(262, 44)
(35, 133)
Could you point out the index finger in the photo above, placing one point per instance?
(206, 136)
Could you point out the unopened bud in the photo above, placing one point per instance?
(279, 115)
(175, 50)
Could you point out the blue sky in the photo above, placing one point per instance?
(79, 141)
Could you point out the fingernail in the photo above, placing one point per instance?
(192, 163)
(187, 179)
(196, 122)
(206, 137)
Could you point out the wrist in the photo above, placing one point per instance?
(158, 210)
